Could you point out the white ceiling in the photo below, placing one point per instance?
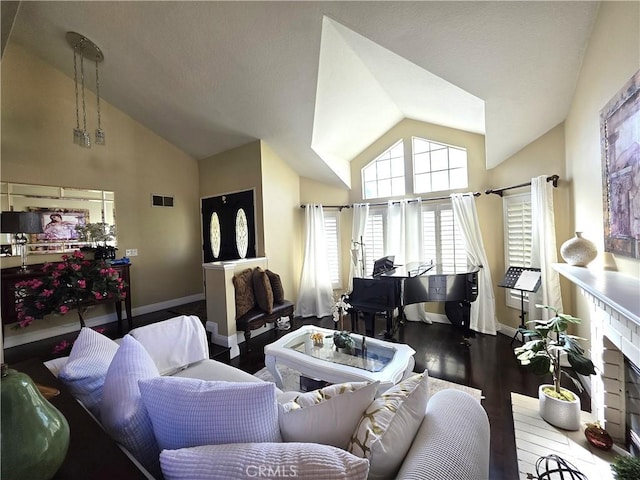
(320, 81)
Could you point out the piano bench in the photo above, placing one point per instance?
(256, 318)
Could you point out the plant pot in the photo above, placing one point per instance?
(559, 413)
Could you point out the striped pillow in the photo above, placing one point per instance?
(262, 460)
(186, 412)
(124, 416)
(87, 366)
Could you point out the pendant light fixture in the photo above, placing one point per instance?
(85, 48)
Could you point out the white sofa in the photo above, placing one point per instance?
(452, 440)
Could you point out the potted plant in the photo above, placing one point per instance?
(73, 283)
(543, 354)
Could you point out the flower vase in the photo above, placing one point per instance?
(578, 251)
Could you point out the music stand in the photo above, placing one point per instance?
(524, 279)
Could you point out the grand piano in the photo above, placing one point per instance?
(394, 287)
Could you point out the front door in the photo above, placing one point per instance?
(228, 227)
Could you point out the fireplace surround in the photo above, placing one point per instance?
(615, 349)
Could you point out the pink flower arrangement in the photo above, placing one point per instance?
(73, 283)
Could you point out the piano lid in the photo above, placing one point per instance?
(416, 269)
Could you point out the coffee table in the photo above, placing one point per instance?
(384, 361)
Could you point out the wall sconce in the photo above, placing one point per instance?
(21, 223)
(85, 48)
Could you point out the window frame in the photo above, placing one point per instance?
(373, 165)
(438, 208)
(336, 283)
(512, 297)
(431, 171)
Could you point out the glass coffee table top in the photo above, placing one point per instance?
(373, 357)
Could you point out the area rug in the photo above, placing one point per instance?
(291, 380)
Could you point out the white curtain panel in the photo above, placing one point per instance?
(483, 310)
(404, 241)
(543, 248)
(356, 266)
(315, 298)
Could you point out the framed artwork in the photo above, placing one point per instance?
(58, 229)
(620, 142)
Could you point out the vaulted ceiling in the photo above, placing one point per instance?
(320, 81)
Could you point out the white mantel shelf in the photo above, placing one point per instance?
(619, 291)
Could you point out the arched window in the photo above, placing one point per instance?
(384, 176)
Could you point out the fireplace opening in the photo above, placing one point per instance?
(632, 404)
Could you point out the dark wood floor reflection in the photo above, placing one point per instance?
(488, 365)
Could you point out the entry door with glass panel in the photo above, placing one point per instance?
(228, 227)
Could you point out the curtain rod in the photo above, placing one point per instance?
(340, 207)
(498, 191)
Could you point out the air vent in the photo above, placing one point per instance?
(161, 201)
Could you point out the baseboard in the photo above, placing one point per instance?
(233, 342)
(63, 325)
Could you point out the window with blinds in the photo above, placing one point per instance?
(517, 238)
(442, 240)
(373, 239)
(332, 236)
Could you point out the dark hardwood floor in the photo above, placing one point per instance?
(488, 365)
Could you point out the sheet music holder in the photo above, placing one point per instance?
(524, 279)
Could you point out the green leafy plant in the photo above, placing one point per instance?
(543, 354)
(73, 283)
(626, 468)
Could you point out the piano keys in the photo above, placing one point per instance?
(410, 284)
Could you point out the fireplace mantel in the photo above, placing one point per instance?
(614, 340)
(618, 291)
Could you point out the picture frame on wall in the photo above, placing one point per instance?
(620, 143)
(59, 232)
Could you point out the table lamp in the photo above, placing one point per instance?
(21, 223)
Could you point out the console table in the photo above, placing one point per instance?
(92, 453)
(13, 275)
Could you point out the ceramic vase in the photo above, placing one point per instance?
(559, 413)
(35, 435)
(578, 251)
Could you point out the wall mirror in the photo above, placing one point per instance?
(60, 210)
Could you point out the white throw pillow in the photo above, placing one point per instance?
(387, 428)
(262, 460)
(327, 416)
(187, 412)
(174, 343)
(87, 366)
(123, 413)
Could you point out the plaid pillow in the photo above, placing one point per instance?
(187, 412)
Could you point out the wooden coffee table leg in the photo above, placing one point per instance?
(270, 363)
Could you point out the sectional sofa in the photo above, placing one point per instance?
(181, 415)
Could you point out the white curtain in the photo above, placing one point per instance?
(543, 248)
(315, 298)
(404, 241)
(483, 310)
(356, 266)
